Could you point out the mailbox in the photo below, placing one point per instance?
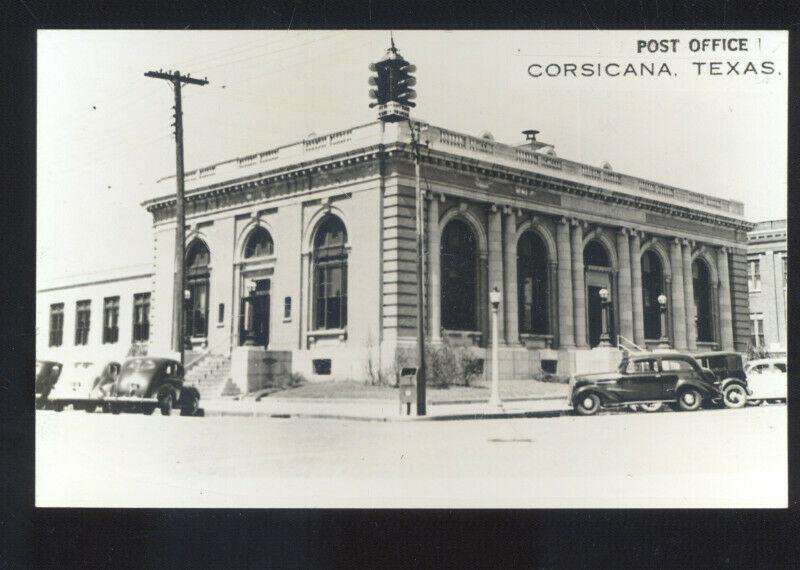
(406, 388)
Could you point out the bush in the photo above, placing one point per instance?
(543, 376)
(756, 352)
(138, 349)
(445, 365)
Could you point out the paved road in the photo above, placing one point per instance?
(720, 458)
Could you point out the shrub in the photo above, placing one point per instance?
(138, 349)
(543, 376)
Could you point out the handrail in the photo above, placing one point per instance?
(628, 345)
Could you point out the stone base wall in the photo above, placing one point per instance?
(254, 368)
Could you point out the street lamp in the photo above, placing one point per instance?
(494, 299)
(662, 307)
(605, 339)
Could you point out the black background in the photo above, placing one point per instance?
(325, 538)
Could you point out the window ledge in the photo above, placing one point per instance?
(314, 336)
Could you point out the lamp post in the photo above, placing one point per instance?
(494, 299)
(187, 343)
(662, 307)
(605, 339)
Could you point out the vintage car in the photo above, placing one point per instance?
(731, 378)
(47, 373)
(651, 379)
(84, 385)
(147, 383)
(766, 378)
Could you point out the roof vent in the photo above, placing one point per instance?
(486, 135)
(532, 144)
(607, 166)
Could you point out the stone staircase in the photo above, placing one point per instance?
(211, 375)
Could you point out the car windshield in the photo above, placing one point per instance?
(140, 365)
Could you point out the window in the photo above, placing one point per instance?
(83, 314)
(221, 313)
(197, 285)
(675, 365)
(259, 244)
(652, 287)
(330, 275)
(322, 366)
(110, 320)
(56, 324)
(141, 317)
(638, 366)
(287, 308)
(459, 276)
(757, 330)
(754, 275)
(702, 301)
(595, 254)
(532, 272)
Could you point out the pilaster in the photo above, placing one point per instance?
(578, 284)
(636, 287)
(625, 295)
(434, 271)
(725, 315)
(510, 277)
(677, 301)
(565, 317)
(688, 294)
(495, 275)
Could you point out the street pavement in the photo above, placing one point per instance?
(714, 458)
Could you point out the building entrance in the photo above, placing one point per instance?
(254, 327)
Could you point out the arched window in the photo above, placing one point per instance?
(532, 284)
(198, 259)
(259, 244)
(652, 287)
(330, 275)
(595, 254)
(459, 277)
(701, 280)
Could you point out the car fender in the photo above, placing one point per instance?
(707, 390)
(730, 381)
(188, 392)
(605, 395)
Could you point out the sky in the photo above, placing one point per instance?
(105, 137)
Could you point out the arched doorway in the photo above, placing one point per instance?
(254, 311)
(652, 287)
(459, 276)
(701, 279)
(597, 265)
(532, 289)
(198, 260)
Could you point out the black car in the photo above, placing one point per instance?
(730, 376)
(673, 378)
(146, 383)
(47, 373)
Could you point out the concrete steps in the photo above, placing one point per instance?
(211, 375)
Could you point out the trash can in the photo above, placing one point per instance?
(406, 388)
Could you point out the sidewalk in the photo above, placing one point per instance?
(381, 410)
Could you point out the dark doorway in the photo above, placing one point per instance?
(459, 277)
(254, 323)
(595, 310)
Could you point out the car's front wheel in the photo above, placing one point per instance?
(90, 408)
(587, 404)
(735, 396)
(689, 400)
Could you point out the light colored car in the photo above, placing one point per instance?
(84, 385)
(766, 378)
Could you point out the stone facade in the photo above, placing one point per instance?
(765, 273)
(592, 225)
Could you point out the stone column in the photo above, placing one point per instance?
(434, 271)
(552, 302)
(566, 338)
(625, 309)
(496, 263)
(483, 298)
(688, 295)
(677, 301)
(725, 315)
(578, 287)
(636, 288)
(510, 277)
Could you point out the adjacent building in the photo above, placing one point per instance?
(766, 285)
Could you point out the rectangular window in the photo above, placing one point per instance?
(110, 320)
(83, 317)
(56, 324)
(757, 330)
(221, 313)
(141, 317)
(287, 308)
(331, 297)
(754, 275)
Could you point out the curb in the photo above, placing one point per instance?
(454, 417)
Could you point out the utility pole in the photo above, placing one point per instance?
(180, 231)
(421, 376)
